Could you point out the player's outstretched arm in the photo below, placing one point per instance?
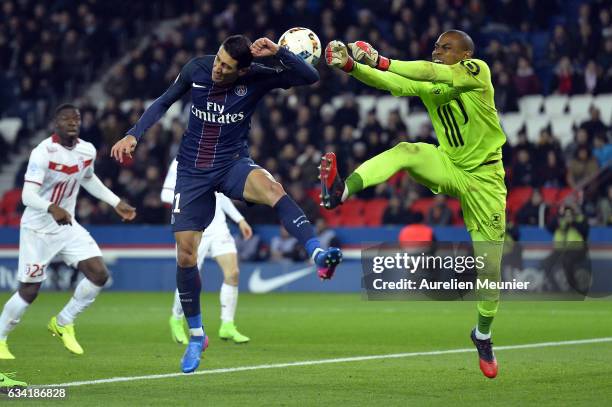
(414, 70)
(337, 56)
(95, 187)
(153, 113)
(297, 72)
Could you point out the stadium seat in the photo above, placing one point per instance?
(422, 205)
(352, 206)
(351, 219)
(365, 103)
(512, 123)
(549, 195)
(126, 105)
(563, 193)
(518, 197)
(174, 112)
(455, 206)
(332, 218)
(555, 105)
(10, 201)
(9, 127)
(579, 105)
(313, 193)
(604, 104)
(535, 124)
(531, 105)
(14, 220)
(563, 128)
(374, 210)
(415, 121)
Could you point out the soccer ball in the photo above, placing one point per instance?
(302, 42)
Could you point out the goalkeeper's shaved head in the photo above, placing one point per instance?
(452, 47)
(464, 39)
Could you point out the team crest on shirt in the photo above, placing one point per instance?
(240, 90)
(81, 163)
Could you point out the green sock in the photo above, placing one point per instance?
(484, 324)
(354, 183)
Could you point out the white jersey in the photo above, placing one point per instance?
(59, 172)
(223, 206)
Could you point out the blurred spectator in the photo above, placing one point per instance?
(565, 79)
(533, 211)
(506, 98)
(594, 125)
(326, 236)
(525, 80)
(581, 168)
(50, 53)
(395, 214)
(152, 209)
(552, 174)
(286, 246)
(602, 150)
(523, 173)
(581, 139)
(439, 214)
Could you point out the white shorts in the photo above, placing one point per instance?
(36, 250)
(216, 245)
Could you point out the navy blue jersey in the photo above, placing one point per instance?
(220, 117)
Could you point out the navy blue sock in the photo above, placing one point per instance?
(189, 286)
(297, 224)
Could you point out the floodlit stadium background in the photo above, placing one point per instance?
(551, 62)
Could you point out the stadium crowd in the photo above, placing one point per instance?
(50, 51)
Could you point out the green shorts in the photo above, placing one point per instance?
(482, 191)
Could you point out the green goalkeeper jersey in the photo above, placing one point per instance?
(459, 100)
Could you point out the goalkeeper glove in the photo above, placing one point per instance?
(336, 55)
(365, 53)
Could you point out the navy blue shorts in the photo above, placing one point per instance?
(194, 194)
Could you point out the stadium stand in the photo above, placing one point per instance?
(94, 46)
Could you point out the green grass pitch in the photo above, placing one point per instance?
(126, 334)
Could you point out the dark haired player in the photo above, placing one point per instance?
(457, 92)
(213, 156)
(58, 166)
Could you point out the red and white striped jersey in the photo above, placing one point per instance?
(59, 171)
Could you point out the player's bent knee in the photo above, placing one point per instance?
(232, 277)
(99, 277)
(28, 291)
(186, 257)
(407, 148)
(274, 192)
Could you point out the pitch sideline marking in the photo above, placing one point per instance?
(324, 361)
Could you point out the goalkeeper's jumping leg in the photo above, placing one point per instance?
(424, 162)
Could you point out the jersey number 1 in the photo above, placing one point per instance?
(177, 198)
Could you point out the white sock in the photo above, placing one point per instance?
(344, 193)
(84, 295)
(196, 331)
(480, 336)
(229, 300)
(13, 310)
(177, 309)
